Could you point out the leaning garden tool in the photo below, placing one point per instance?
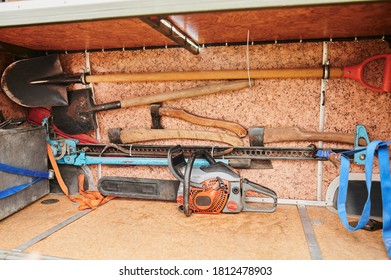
(42, 82)
(79, 116)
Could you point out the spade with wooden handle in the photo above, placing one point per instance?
(79, 116)
(41, 82)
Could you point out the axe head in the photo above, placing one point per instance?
(156, 119)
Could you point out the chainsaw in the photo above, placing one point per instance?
(214, 188)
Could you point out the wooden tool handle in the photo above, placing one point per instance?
(185, 93)
(128, 136)
(272, 135)
(182, 114)
(214, 75)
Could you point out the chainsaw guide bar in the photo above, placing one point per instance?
(140, 188)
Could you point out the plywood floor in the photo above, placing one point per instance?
(147, 230)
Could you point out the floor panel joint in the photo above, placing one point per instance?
(313, 246)
(50, 231)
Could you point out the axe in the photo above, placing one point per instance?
(258, 136)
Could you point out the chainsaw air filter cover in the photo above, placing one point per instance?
(211, 199)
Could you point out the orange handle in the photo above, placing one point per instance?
(356, 72)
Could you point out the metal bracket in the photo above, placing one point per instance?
(168, 29)
(361, 133)
(326, 70)
(255, 135)
(155, 116)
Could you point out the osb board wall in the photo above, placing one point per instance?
(8, 107)
(269, 103)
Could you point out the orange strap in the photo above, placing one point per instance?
(89, 199)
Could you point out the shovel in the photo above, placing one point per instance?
(79, 116)
(40, 82)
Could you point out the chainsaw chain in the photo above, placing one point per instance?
(266, 153)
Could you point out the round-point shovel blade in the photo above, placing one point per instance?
(17, 78)
(79, 116)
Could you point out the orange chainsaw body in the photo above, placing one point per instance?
(213, 188)
(208, 200)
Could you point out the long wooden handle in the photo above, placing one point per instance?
(272, 135)
(184, 115)
(128, 136)
(214, 75)
(185, 93)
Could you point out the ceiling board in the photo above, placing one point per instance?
(18, 13)
(104, 34)
(337, 21)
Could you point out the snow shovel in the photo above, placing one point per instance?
(79, 116)
(40, 82)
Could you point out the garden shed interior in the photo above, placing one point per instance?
(303, 47)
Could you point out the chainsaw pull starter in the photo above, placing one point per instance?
(215, 188)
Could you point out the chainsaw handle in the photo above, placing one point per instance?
(187, 178)
(176, 160)
(186, 185)
(248, 186)
(356, 72)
